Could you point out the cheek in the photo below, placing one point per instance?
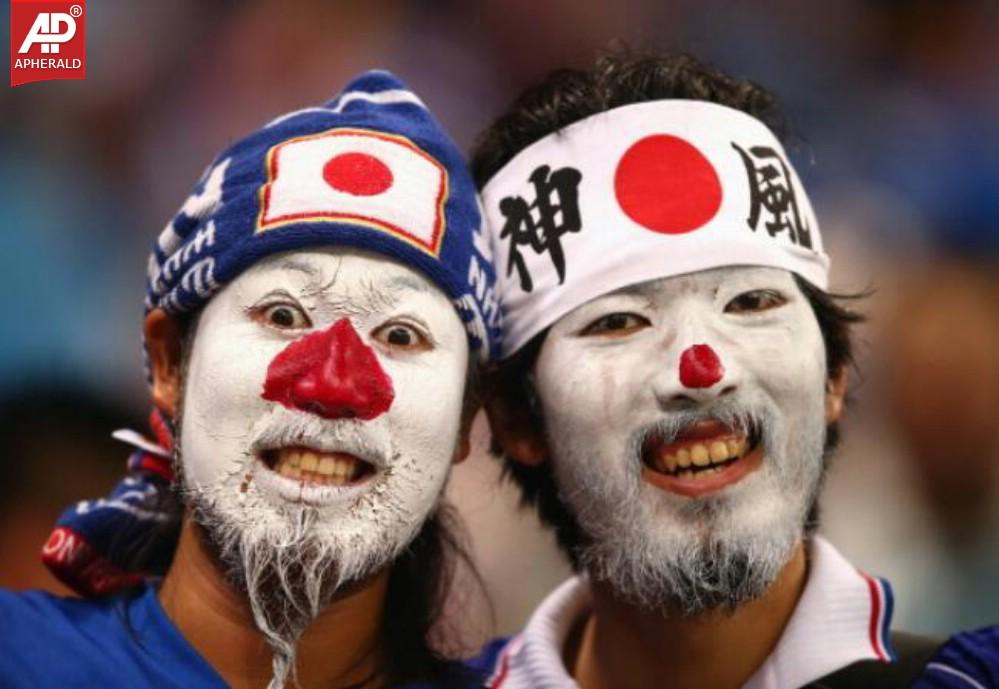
(789, 363)
(426, 412)
(221, 400)
(578, 389)
(224, 379)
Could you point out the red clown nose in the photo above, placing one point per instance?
(700, 367)
(331, 373)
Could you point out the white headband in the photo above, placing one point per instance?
(640, 192)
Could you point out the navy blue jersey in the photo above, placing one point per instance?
(969, 660)
(123, 640)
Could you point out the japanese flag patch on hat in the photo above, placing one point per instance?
(371, 169)
(640, 192)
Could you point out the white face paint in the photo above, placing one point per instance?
(235, 445)
(608, 376)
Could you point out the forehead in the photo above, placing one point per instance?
(339, 272)
(710, 282)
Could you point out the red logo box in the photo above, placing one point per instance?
(47, 40)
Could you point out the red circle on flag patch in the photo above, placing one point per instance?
(358, 174)
(666, 185)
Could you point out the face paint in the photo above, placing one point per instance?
(330, 373)
(326, 476)
(691, 480)
(700, 367)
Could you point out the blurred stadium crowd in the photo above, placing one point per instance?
(894, 108)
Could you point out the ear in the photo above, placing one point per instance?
(835, 394)
(464, 447)
(515, 427)
(163, 343)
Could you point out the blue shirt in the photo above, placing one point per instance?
(123, 640)
(969, 660)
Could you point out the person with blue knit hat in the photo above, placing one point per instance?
(312, 317)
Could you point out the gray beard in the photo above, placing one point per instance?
(290, 565)
(678, 556)
(713, 575)
(287, 581)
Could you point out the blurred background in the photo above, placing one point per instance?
(895, 107)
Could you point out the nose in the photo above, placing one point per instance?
(331, 373)
(698, 377)
(700, 367)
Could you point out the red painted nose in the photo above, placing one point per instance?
(700, 367)
(330, 373)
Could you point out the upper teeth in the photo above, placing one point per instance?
(699, 454)
(317, 467)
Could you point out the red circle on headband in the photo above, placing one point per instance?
(358, 174)
(666, 185)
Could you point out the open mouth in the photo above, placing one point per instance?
(315, 467)
(705, 457)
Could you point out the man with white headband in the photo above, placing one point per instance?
(312, 315)
(673, 372)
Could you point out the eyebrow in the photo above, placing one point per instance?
(642, 289)
(398, 283)
(299, 266)
(369, 298)
(383, 297)
(401, 283)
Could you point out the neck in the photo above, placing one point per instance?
(339, 649)
(622, 646)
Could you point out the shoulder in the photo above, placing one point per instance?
(968, 660)
(34, 615)
(43, 635)
(123, 640)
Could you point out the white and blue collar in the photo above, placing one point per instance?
(843, 616)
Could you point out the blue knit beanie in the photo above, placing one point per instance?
(371, 169)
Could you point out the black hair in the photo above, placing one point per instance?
(415, 646)
(620, 77)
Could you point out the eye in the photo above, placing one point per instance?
(284, 316)
(616, 325)
(755, 300)
(402, 336)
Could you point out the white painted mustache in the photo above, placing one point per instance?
(370, 441)
(755, 420)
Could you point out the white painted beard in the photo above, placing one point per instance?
(291, 559)
(686, 556)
